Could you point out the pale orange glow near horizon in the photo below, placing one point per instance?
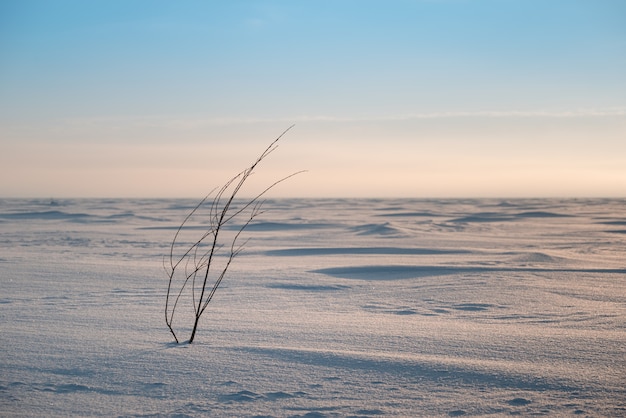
(455, 157)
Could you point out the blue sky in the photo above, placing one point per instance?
(406, 98)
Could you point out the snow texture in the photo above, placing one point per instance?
(336, 308)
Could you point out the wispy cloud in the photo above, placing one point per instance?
(517, 114)
(475, 114)
(177, 122)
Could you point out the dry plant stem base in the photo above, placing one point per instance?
(193, 269)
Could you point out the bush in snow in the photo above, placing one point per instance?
(195, 270)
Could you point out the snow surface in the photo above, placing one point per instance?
(336, 308)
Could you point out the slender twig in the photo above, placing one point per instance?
(195, 268)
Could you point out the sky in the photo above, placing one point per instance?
(388, 98)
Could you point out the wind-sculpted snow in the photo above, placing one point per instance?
(391, 272)
(361, 250)
(336, 307)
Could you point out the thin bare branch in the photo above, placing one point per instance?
(195, 260)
